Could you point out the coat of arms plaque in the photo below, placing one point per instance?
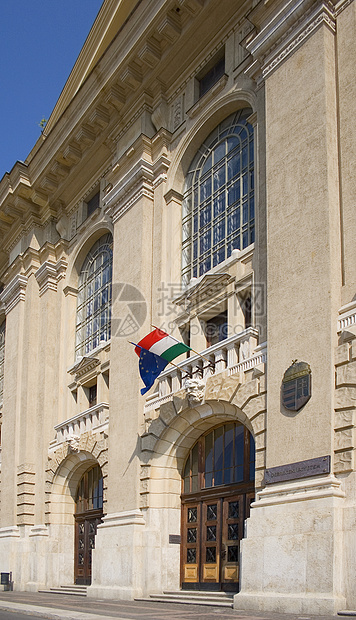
(296, 386)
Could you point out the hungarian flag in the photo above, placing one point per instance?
(155, 351)
(162, 344)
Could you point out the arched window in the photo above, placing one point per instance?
(218, 206)
(2, 358)
(90, 491)
(225, 455)
(94, 297)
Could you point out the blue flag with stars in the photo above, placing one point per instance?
(150, 366)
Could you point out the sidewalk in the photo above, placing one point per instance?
(64, 607)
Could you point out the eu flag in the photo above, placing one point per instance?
(150, 366)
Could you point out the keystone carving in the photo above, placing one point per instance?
(195, 391)
(73, 443)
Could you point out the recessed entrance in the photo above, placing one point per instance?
(218, 487)
(89, 512)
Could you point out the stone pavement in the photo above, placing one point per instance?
(64, 607)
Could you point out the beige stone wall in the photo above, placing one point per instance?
(303, 218)
(131, 131)
(346, 56)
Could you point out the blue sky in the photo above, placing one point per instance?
(39, 43)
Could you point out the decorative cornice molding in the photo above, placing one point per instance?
(83, 366)
(14, 292)
(49, 274)
(136, 184)
(343, 4)
(173, 196)
(70, 290)
(207, 287)
(160, 168)
(285, 32)
(46, 277)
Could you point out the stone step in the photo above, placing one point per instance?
(188, 597)
(72, 590)
(209, 593)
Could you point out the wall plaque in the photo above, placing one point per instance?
(296, 386)
(301, 469)
(174, 539)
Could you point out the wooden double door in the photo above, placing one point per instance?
(85, 531)
(212, 528)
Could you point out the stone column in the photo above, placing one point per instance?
(131, 206)
(293, 564)
(13, 297)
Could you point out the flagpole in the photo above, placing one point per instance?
(196, 352)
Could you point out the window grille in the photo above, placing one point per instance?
(219, 204)
(90, 491)
(225, 455)
(2, 357)
(94, 297)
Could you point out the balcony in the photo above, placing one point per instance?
(347, 318)
(239, 353)
(93, 420)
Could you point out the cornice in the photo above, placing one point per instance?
(207, 287)
(285, 32)
(340, 6)
(137, 183)
(84, 366)
(49, 274)
(14, 292)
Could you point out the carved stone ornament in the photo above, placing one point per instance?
(195, 391)
(296, 386)
(73, 443)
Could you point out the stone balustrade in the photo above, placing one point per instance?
(238, 353)
(95, 419)
(347, 317)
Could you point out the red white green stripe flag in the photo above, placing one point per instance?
(162, 344)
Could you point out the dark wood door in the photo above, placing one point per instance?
(211, 533)
(85, 531)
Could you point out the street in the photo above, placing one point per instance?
(25, 605)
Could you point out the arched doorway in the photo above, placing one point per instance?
(88, 513)
(218, 487)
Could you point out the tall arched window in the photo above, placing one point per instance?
(94, 297)
(90, 491)
(218, 206)
(2, 358)
(225, 455)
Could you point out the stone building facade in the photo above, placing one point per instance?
(195, 175)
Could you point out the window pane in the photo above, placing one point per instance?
(218, 448)
(219, 152)
(205, 215)
(239, 445)
(95, 277)
(209, 443)
(230, 155)
(219, 178)
(205, 189)
(219, 204)
(229, 446)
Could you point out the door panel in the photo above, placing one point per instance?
(85, 530)
(211, 541)
(191, 542)
(232, 532)
(211, 533)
